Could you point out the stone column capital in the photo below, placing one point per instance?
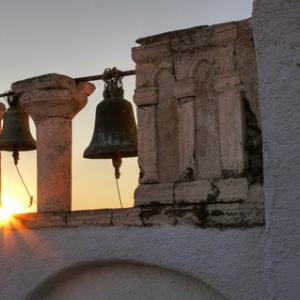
(146, 96)
(185, 88)
(52, 95)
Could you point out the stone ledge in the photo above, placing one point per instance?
(199, 191)
(187, 40)
(235, 214)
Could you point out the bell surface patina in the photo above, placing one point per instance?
(15, 135)
(115, 132)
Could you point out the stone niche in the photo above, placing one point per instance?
(199, 137)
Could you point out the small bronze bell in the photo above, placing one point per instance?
(115, 132)
(16, 135)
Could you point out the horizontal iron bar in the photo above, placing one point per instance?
(84, 79)
(102, 76)
(10, 93)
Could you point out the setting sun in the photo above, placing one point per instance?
(8, 208)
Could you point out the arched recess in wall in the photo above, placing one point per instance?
(126, 281)
(166, 120)
(206, 116)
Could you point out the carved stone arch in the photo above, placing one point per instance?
(167, 126)
(196, 61)
(165, 65)
(206, 116)
(122, 280)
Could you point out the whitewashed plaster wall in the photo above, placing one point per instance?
(229, 261)
(276, 26)
(129, 281)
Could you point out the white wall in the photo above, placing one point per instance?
(230, 261)
(126, 282)
(276, 25)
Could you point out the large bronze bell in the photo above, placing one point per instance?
(16, 135)
(115, 132)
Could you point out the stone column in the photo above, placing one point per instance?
(2, 112)
(52, 101)
(277, 43)
(184, 92)
(146, 100)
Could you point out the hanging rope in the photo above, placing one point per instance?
(117, 161)
(16, 158)
(119, 194)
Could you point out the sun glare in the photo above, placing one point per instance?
(8, 208)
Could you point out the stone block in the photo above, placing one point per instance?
(232, 131)
(206, 118)
(101, 217)
(147, 144)
(158, 215)
(224, 59)
(186, 64)
(146, 96)
(167, 127)
(127, 217)
(149, 54)
(228, 214)
(149, 194)
(192, 191)
(186, 140)
(39, 220)
(143, 74)
(190, 215)
(226, 81)
(232, 189)
(224, 34)
(47, 81)
(256, 194)
(185, 88)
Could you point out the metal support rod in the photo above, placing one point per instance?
(87, 78)
(7, 94)
(102, 76)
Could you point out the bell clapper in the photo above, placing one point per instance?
(117, 162)
(16, 156)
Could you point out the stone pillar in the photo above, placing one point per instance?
(146, 100)
(52, 101)
(2, 112)
(277, 44)
(184, 92)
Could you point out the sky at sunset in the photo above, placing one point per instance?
(80, 38)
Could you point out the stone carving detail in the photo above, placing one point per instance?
(206, 105)
(200, 139)
(167, 130)
(185, 91)
(147, 146)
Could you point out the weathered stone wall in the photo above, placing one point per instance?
(199, 137)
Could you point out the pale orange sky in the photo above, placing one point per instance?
(79, 38)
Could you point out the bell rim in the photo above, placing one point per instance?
(16, 148)
(109, 154)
